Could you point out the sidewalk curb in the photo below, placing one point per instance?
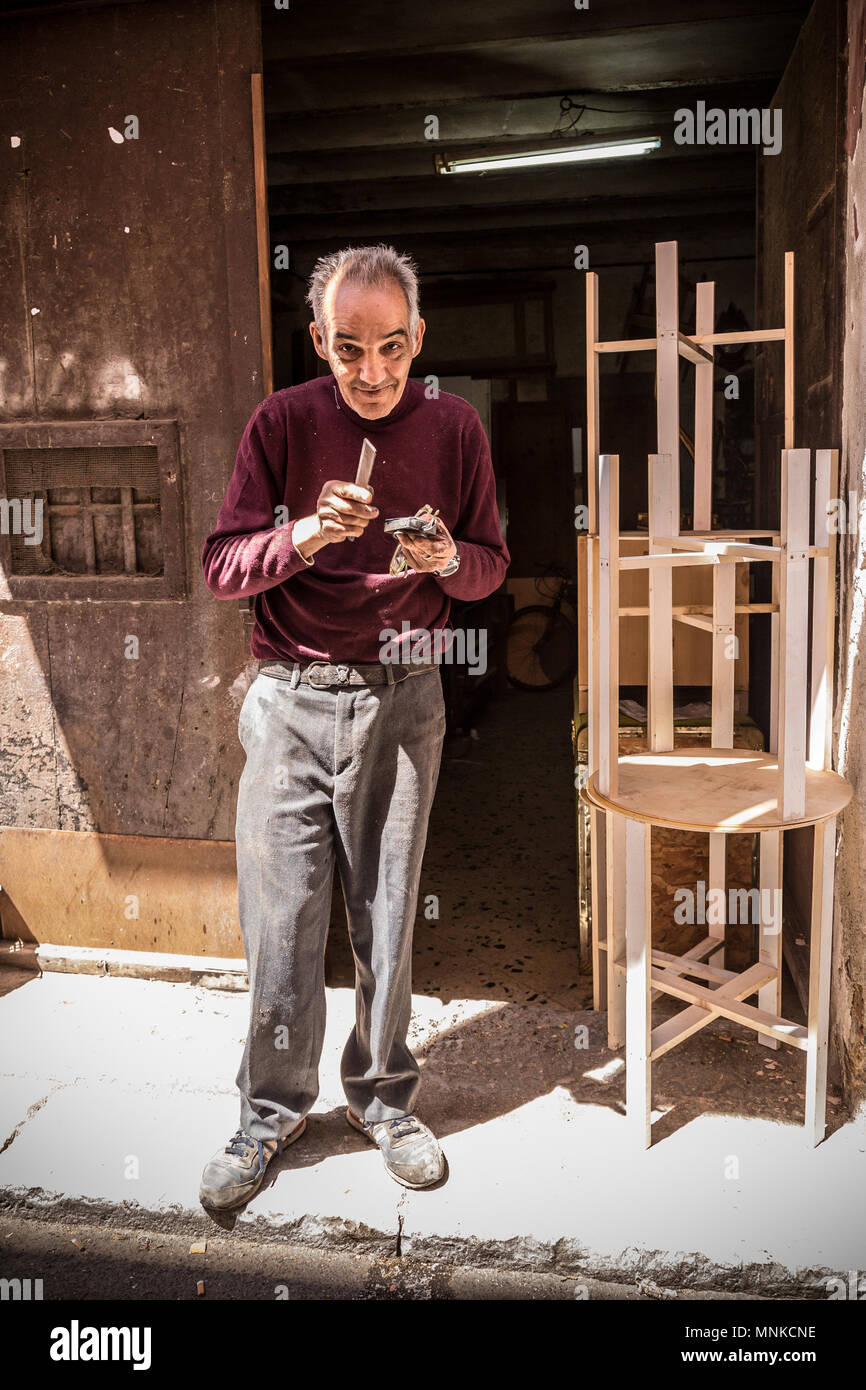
(648, 1274)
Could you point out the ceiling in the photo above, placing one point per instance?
(348, 89)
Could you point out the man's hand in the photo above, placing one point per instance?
(342, 513)
(425, 555)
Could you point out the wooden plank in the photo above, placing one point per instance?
(638, 932)
(708, 545)
(627, 345)
(724, 661)
(592, 398)
(692, 351)
(592, 572)
(820, 953)
(823, 612)
(699, 620)
(793, 632)
(680, 560)
(789, 349)
(668, 366)
(768, 1025)
(262, 233)
(679, 965)
(684, 610)
(598, 878)
(716, 878)
(616, 924)
(663, 519)
(770, 872)
(684, 1025)
(608, 622)
(703, 494)
(746, 335)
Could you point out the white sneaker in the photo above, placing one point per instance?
(411, 1151)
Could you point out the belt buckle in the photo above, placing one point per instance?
(339, 675)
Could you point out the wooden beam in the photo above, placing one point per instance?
(766, 1024)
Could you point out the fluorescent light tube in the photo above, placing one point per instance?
(528, 159)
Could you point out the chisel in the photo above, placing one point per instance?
(365, 468)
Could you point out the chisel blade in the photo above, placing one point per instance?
(365, 464)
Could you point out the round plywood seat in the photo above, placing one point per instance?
(731, 790)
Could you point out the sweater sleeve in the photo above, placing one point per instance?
(246, 553)
(484, 556)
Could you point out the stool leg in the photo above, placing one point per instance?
(717, 879)
(823, 873)
(770, 898)
(638, 928)
(597, 851)
(615, 827)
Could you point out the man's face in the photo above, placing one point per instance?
(368, 346)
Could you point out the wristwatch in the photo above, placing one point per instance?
(453, 564)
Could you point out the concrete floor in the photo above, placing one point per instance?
(114, 1092)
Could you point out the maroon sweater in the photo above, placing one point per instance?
(333, 607)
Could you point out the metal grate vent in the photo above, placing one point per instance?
(99, 515)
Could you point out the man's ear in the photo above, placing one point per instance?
(420, 337)
(318, 342)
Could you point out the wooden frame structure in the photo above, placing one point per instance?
(719, 791)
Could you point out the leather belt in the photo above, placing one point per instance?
(323, 674)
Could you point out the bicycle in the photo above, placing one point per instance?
(541, 644)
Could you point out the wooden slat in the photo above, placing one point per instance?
(616, 944)
(699, 620)
(683, 560)
(678, 965)
(660, 674)
(703, 491)
(789, 349)
(684, 1025)
(708, 545)
(638, 928)
(598, 878)
(724, 665)
(692, 351)
(823, 612)
(770, 878)
(821, 944)
(716, 879)
(766, 1024)
(793, 632)
(627, 345)
(668, 366)
(608, 623)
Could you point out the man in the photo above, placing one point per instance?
(343, 748)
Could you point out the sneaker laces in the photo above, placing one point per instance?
(241, 1141)
(409, 1124)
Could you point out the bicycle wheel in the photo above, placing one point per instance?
(541, 649)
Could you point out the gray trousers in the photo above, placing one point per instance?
(347, 774)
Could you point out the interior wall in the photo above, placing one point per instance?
(849, 958)
(129, 291)
(801, 208)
